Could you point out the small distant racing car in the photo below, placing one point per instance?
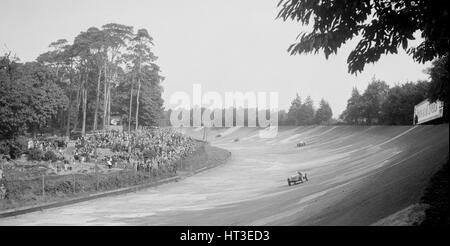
(301, 144)
(298, 178)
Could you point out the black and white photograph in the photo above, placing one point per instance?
(224, 113)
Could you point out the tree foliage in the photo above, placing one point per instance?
(439, 80)
(29, 97)
(295, 110)
(324, 113)
(305, 114)
(382, 26)
(353, 113)
(380, 104)
(366, 108)
(151, 102)
(398, 108)
(372, 100)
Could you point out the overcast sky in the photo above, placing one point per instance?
(224, 45)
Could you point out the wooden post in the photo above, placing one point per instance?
(43, 185)
(96, 175)
(73, 184)
(96, 168)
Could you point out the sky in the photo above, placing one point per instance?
(223, 45)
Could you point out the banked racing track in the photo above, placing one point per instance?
(358, 176)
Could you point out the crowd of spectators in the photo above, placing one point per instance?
(155, 151)
(46, 144)
(152, 150)
(47, 149)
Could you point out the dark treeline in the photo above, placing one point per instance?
(381, 104)
(240, 117)
(298, 114)
(79, 86)
(305, 113)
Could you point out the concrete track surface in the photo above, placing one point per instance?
(358, 176)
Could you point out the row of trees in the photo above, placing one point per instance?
(380, 104)
(298, 114)
(104, 72)
(305, 114)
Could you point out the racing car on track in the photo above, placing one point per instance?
(301, 144)
(298, 178)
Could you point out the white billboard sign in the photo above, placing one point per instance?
(426, 111)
